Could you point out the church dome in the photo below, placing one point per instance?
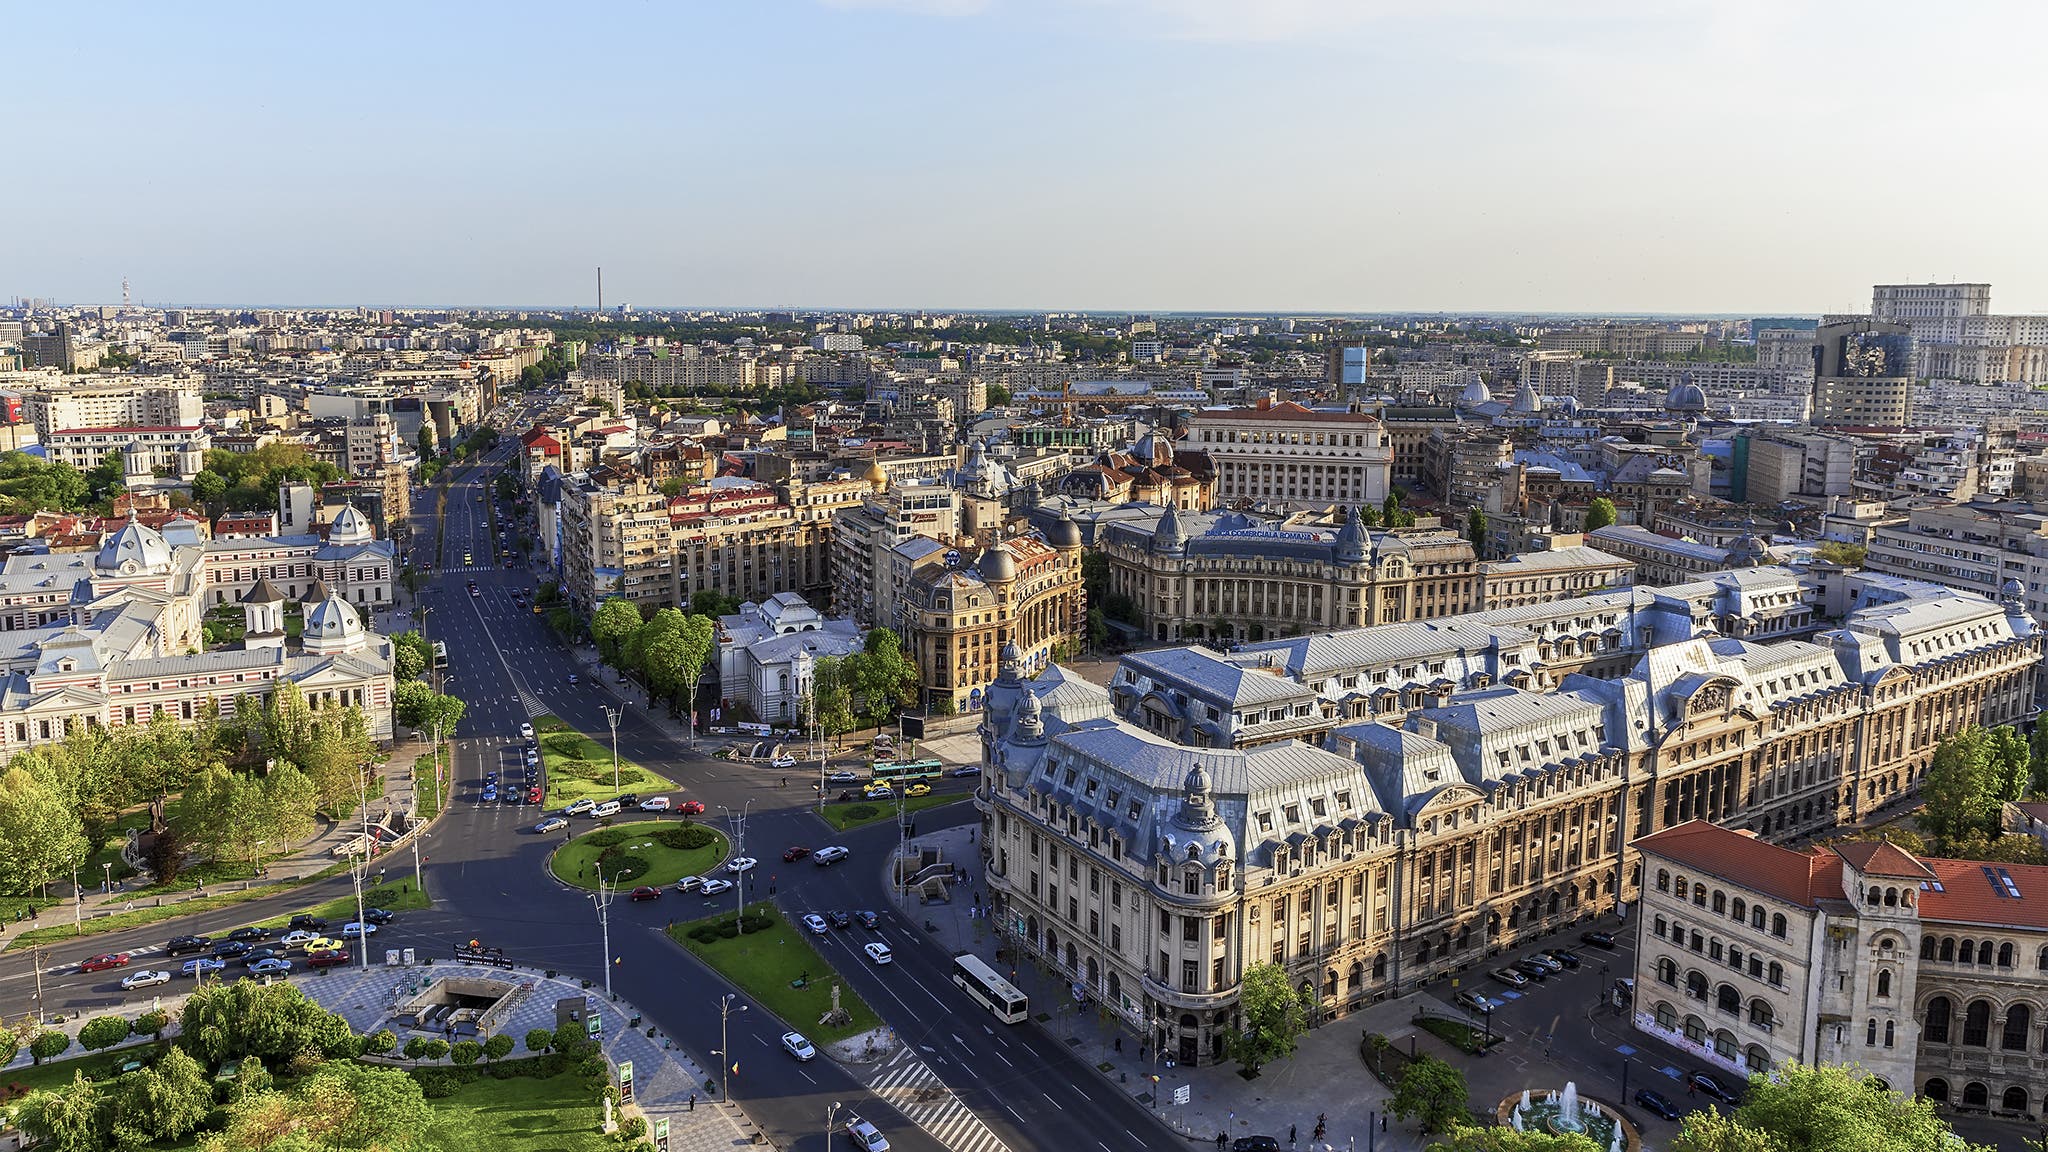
(134, 550)
(1527, 402)
(1064, 533)
(1685, 396)
(1351, 540)
(877, 475)
(1475, 394)
(1168, 536)
(997, 565)
(331, 627)
(349, 527)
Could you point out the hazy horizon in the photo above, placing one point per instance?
(1290, 157)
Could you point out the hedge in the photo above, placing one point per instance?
(686, 837)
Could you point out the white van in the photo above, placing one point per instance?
(828, 856)
(608, 808)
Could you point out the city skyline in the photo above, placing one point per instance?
(1109, 155)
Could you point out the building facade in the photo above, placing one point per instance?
(1285, 453)
(1023, 595)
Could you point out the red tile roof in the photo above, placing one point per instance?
(1290, 411)
(1883, 858)
(1967, 896)
(1741, 858)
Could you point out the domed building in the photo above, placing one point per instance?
(959, 616)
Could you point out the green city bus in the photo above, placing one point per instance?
(890, 771)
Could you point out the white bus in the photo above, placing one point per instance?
(996, 994)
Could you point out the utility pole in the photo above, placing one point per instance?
(725, 1061)
(611, 716)
(35, 957)
(603, 900)
(362, 926)
(738, 824)
(77, 903)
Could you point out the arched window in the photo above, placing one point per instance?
(1735, 957)
(1872, 896)
(1756, 917)
(1778, 925)
(1667, 972)
(1975, 1095)
(1739, 911)
(1695, 985)
(2014, 1100)
(1664, 882)
(1379, 966)
(2041, 961)
(1760, 1012)
(1927, 948)
(1968, 952)
(1935, 1026)
(1936, 1089)
(1870, 1033)
(1889, 1027)
(1727, 999)
(1679, 891)
(2019, 1019)
(1660, 923)
(1720, 903)
(1984, 953)
(1977, 1024)
(1948, 947)
(1757, 1059)
(1667, 1016)
(2005, 955)
(1884, 985)
(1891, 897)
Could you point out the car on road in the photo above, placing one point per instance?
(353, 929)
(230, 950)
(879, 953)
(572, 680)
(828, 855)
(326, 958)
(308, 922)
(608, 808)
(794, 853)
(183, 944)
(299, 939)
(654, 804)
(1710, 1086)
(202, 966)
(526, 731)
(1656, 1104)
(551, 824)
(689, 883)
(714, 886)
(794, 1044)
(378, 916)
(878, 792)
(691, 808)
(645, 892)
(103, 962)
(816, 923)
(627, 800)
(918, 789)
(274, 966)
(1562, 956)
(579, 807)
(473, 589)
(491, 794)
(1598, 939)
(841, 777)
(739, 864)
(258, 955)
(1542, 960)
(1473, 1001)
(839, 919)
(866, 1137)
(146, 978)
(251, 933)
(1509, 977)
(1531, 969)
(1255, 1144)
(965, 770)
(785, 761)
(867, 920)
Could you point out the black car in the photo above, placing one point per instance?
(1657, 1104)
(867, 919)
(250, 934)
(230, 950)
(1598, 939)
(629, 799)
(1709, 1086)
(839, 919)
(308, 923)
(379, 916)
(1531, 969)
(255, 954)
(179, 945)
(1568, 959)
(1255, 1144)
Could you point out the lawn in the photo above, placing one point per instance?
(519, 1114)
(855, 813)
(764, 963)
(394, 896)
(1456, 1033)
(427, 798)
(647, 859)
(96, 1065)
(578, 766)
(61, 929)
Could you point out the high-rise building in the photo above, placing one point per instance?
(1863, 374)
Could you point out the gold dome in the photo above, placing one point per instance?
(876, 475)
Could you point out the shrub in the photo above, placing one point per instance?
(704, 933)
(607, 837)
(103, 1032)
(379, 1042)
(152, 1023)
(304, 1062)
(436, 1049)
(415, 1047)
(620, 867)
(466, 1052)
(632, 1128)
(436, 1084)
(572, 1038)
(498, 1047)
(594, 1070)
(47, 1045)
(757, 921)
(539, 1039)
(684, 837)
(863, 812)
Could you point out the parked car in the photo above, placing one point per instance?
(103, 962)
(691, 807)
(1656, 1104)
(689, 883)
(654, 804)
(715, 885)
(551, 824)
(1531, 969)
(202, 966)
(816, 924)
(579, 807)
(275, 966)
(645, 892)
(1510, 977)
(866, 1137)
(326, 958)
(797, 1046)
(739, 864)
(1473, 1001)
(918, 789)
(1598, 939)
(867, 920)
(1542, 960)
(829, 855)
(1713, 1087)
(794, 853)
(182, 944)
(147, 978)
(308, 922)
(1255, 1144)
(879, 953)
(1563, 956)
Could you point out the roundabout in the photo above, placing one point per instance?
(656, 853)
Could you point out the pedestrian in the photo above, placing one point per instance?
(1688, 1088)
(1141, 1051)
(1222, 1138)
(1383, 1121)
(1290, 1136)
(1119, 1043)
(693, 1102)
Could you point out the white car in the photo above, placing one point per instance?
(866, 1137)
(879, 953)
(148, 979)
(579, 807)
(739, 864)
(829, 855)
(689, 883)
(654, 804)
(608, 808)
(816, 923)
(297, 939)
(551, 824)
(203, 965)
(353, 929)
(714, 886)
(526, 731)
(842, 777)
(785, 761)
(797, 1046)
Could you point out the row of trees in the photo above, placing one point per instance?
(1972, 775)
(415, 704)
(258, 774)
(874, 683)
(245, 481)
(29, 484)
(668, 649)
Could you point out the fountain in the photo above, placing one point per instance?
(1565, 1111)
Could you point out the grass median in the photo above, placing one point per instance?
(140, 916)
(579, 766)
(521, 1114)
(768, 963)
(653, 852)
(855, 813)
(392, 896)
(427, 797)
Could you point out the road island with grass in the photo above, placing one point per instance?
(580, 766)
(773, 962)
(651, 852)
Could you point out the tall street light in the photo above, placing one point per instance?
(830, 1113)
(738, 824)
(725, 1061)
(603, 900)
(611, 716)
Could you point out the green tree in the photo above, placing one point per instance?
(208, 486)
(2011, 762)
(416, 705)
(465, 1053)
(831, 696)
(165, 1101)
(1821, 1108)
(1599, 514)
(1275, 1016)
(1098, 628)
(48, 1045)
(881, 674)
(538, 1039)
(379, 1042)
(616, 620)
(713, 604)
(1843, 553)
(1390, 508)
(104, 1032)
(1432, 1092)
(1961, 787)
(498, 1047)
(273, 1022)
(68, 1119)
(1475, 531)
(414, 654)
(426, 440)
(40, 833)
(10, 1045)
(998, 396)
(2037, 758)
(1467, 1139)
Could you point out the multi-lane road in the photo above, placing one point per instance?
(959, 1081)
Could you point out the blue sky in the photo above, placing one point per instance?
(1300, 155)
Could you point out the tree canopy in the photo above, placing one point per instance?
(1600, 514)
(1821, 1108)
(1275, 1016)
(1432, 1092)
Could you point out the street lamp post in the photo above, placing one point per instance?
(611, 716)
(738, 824)
(603, 901)
(77, 903)
(725, 1062)
(362, 926)
(831, 1112)
(418, 885)
(108, 867)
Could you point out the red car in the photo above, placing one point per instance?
(796, 853)
(646, 893)
(326, 958)
(691, 807)
(102, 963)
(533, 795)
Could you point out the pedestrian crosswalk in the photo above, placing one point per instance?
(912, 1088)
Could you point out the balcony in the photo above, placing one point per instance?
(1172, 995)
